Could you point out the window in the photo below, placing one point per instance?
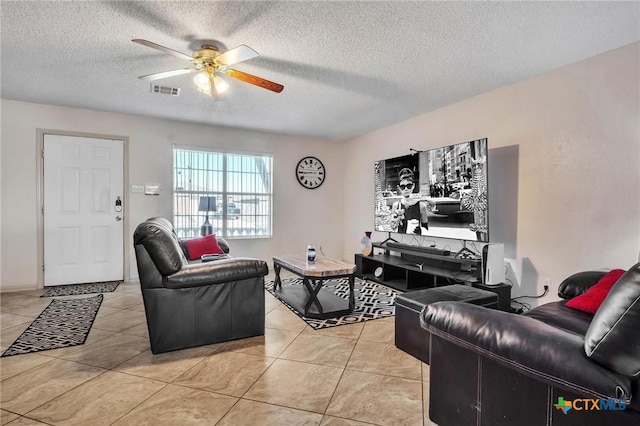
(240, 188)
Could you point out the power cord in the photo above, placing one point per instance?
(544, 293)
(506, 271)
(524, 307)
(456, 274)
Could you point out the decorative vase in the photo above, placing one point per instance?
(366, 246)
(311, 253)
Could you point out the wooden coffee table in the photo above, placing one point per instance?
(309, 298)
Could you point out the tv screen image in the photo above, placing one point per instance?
(439, 192)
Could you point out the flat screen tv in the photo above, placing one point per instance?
(439, 192)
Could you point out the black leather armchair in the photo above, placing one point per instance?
(495, 368)
(195, 304)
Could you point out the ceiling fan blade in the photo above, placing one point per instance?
(159, 75)
(237, 54)
(257, 81)
(162, 48)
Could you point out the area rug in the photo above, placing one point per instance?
(64, 322)
(73, 289)
(373, 301)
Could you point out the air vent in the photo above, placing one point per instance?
(165, 90)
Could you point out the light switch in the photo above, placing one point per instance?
(137, 188)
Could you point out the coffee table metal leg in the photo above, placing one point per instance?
(352, 299)
(277, 282)
(313, 287)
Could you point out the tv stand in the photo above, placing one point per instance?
(414, 269)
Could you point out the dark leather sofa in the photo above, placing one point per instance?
(496, 368)
(195, 304)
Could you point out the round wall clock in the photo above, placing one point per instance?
(310, 172)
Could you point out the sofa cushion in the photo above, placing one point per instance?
(590, 300)
(163, 223)
(224, 245)
(613, 339)
(558, 315)
(219, 272)
(196, 247)
(578, 283)
(167, 226)
(163, 249)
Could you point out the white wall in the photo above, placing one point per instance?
(564, 164)
(564, 157)
(0, 199)
(301, 216)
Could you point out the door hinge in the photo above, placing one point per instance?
(43, 266)
(42, 152)
(42, 210)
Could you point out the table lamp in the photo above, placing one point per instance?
(207, 204)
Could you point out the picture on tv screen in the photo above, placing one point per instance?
(440, 192)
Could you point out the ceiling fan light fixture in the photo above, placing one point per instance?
(203, 82)
(220, 85)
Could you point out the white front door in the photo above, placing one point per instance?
(83, 224)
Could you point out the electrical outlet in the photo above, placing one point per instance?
(546, 282)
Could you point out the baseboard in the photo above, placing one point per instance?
(15, 288)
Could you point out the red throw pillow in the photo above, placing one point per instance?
(196, 247)
(590, 300)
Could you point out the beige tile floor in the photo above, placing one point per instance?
(293, 375)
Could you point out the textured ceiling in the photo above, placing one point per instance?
(348, 67)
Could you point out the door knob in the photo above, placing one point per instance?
(118, 218)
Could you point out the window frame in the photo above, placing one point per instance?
(224, 193)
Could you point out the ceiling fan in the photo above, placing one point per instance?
(208, 62)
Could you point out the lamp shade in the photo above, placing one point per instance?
(207, 204)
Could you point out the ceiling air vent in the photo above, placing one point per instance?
(165, 90)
